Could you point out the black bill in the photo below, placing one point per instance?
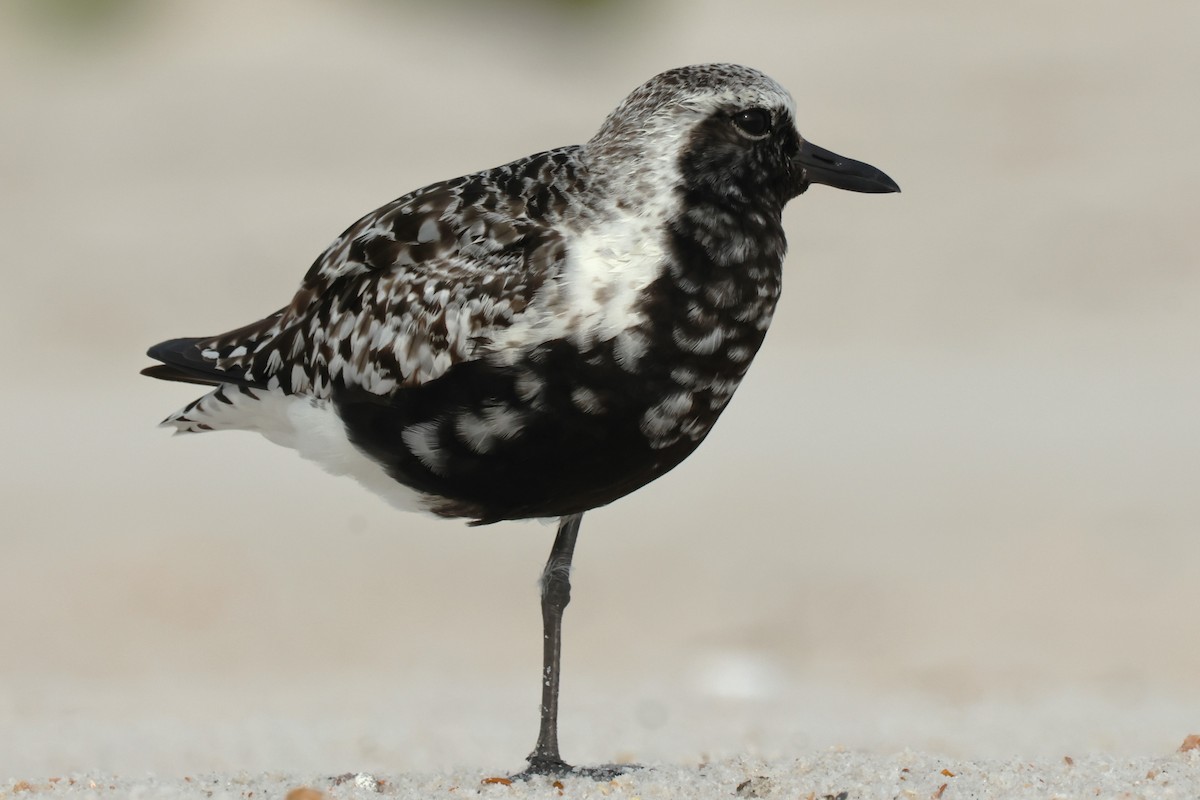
(819, 165)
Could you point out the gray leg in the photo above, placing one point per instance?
(556, 593)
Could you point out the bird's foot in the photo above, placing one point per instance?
(557, 768)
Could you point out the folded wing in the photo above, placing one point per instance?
(401, 296)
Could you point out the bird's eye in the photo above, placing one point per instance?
(753, 121)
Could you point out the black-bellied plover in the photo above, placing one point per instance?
(541, 338)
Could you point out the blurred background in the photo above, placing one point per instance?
(953, 507)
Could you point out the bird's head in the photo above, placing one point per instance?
(725, 132)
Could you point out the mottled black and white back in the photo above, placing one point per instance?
(540, 338)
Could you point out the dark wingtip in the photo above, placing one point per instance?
(172, 350)
(166, 372)
(157, 371)
(182, 364)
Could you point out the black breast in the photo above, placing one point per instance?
(565, 429)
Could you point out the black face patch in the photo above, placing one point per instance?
(727, 166)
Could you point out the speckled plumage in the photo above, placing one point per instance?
(541, 338)
(535, 339)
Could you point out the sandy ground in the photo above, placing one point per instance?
(950, 520)
(830, 776)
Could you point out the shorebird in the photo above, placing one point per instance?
(538, 339)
